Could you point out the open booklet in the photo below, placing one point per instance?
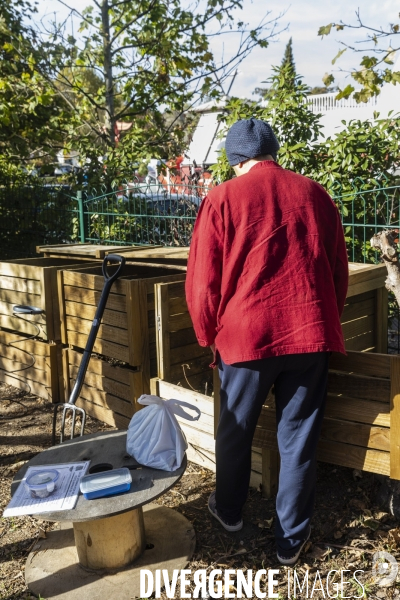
(63, 497)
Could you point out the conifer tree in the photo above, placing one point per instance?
(288, 58)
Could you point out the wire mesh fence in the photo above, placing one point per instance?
(164, 210)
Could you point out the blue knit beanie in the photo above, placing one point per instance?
(249, 138)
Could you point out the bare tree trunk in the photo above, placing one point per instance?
(108, 74)
(385, 242)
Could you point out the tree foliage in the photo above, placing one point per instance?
(378, 57)
(154, 61)
(31, 113)
(364, 150)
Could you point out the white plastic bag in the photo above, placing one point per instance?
(154, 436)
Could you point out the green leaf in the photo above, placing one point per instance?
(338, 55)
(345, 93)
(325, 29)
(328, 79)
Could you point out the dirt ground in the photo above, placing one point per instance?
(348, 528)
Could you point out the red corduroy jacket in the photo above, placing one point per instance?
(268, 271)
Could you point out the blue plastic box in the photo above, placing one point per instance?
(107, 483)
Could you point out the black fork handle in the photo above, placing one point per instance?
(108, 281)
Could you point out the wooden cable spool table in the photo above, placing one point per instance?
(112, 538)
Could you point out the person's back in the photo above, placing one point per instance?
(279, 257)
(266, 284)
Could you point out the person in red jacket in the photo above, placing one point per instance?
(266, 285)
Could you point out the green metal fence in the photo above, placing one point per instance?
(139, 213)
(364, 212)
(151, 212)
(164, 213)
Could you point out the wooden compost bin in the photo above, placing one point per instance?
(85, 251)
(109, 392)
(32, 342)
(31, 365)
(163, 255)
(126, 341)
(365, 316)
(32, 281)
(183, 364)
(361, 427)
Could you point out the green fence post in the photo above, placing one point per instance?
(81, 216)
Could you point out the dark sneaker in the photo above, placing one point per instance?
(290, 559)
(213, 510)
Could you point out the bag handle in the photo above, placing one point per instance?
(175, 406)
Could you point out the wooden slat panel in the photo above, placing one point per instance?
(359, 298)
(358, 327)
(194, 367)
(366, 286)
(105, 332)
(150, 283)
(357, 310)
(103, 414)
(182, 337)
(344, 455)
(203, 403)
(359, 386)
(41, 388)
(31, 373)
(162, 252)
(26, 286)
(374, 365)
(100, 346)
(86, 279)
(340, 408)
(354, 457)
(359, 272)
(177, 305)
(15, 269)
(198, 438)
(22, 325)
(85, 311)
(101, 367)
(176, 290)
(99, 382)
(361, 411)
(92, 297)
(37, 348)
(361, 343)
(17, 359)
(12, 297)
(107, 400)
(182, 321)
(189, 352)
(357, 434)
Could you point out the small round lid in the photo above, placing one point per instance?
(44, 477)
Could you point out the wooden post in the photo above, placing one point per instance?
(395, 417)
(381, 320)
(270, 472)
(110, 543)
(161, 293)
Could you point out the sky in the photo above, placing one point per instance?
(302, 18)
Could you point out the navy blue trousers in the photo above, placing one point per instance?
(300, 382)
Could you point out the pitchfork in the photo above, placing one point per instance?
(70, 407)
